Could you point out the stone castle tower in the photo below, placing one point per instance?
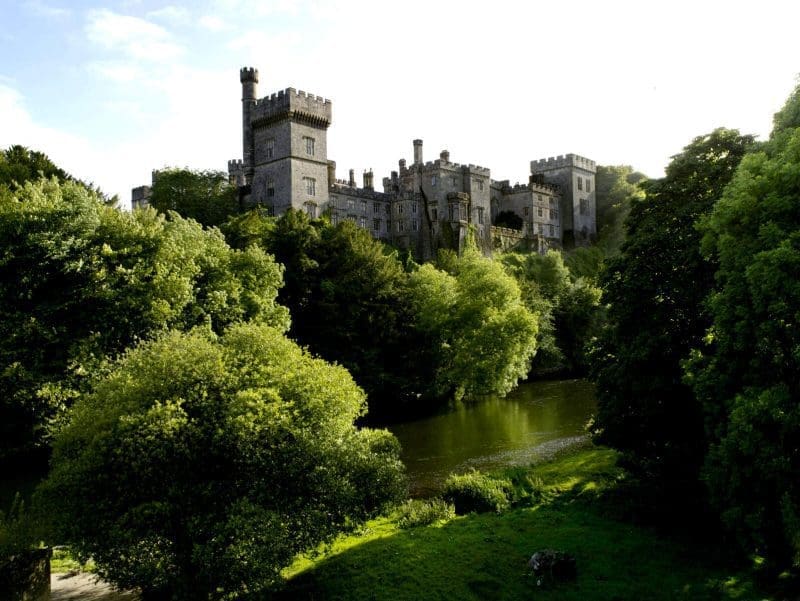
(284, 148)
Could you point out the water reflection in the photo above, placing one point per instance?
(529, 423)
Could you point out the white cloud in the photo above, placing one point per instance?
(137, 38)
(43, 10)
(171, 14)
(213, 23)
(73, 153)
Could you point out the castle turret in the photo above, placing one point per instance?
(418, 152)
(368, 180)
(249, 78)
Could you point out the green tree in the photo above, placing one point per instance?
(747, 373)
(19, 165)
(655, 290)
(616, 188)
(199, 466)
(479, 332)
(345, 291)
(569, 311)
(80, 280)
(205, 196)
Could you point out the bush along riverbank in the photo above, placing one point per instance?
(568, 505)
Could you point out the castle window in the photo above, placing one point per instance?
(552, 231)
(400, 226)
(541, 229)
(526, 211)
(400, 208)
(539, 197)
(351, 218)
(580, 183)
(311, 186)
(309, 141)
(435, 214)
(388, 209)
(540, 211)
(588, 185)
(311, 210)
(270, 185)
(334, 219)
(454, 182)
(351, 204)
(414, 225)
(270, 148)
(362, 222)
(376, 207)
(584, 209)
(433, 181)
(363, 206)
(453, 213)
(480, 185)
(376, 225)
(552, 201)
(480, 215)
(414, 207)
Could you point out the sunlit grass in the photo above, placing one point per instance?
(484, 556)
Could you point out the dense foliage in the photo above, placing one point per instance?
(747, 374)
(480, 335)
(199, 466)
(19, 165)
(205, 196)
(655, 290)
(80, 280)
(430, 334)
(568, 308)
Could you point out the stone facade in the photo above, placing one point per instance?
(424, 206)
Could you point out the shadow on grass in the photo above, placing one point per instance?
(485, 556)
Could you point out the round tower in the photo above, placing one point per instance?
(248, 76)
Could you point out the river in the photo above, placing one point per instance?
(531, 423)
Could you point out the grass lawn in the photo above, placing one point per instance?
(484, 556)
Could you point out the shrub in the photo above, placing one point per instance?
(423, 512)
(477, 492)
(17, 530)
(199, 466)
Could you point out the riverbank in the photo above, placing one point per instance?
(484, 556)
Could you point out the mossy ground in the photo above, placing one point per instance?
(484, 556)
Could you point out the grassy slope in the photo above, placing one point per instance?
(484, 556)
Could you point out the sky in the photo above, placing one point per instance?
(113, 90)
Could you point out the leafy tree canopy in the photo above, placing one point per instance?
(205, 196)
(655, 289)
(481, 334)
(747, 373)
(80, 280)
(199, 466)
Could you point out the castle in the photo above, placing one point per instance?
(424, 206)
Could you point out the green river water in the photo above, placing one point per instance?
(533, 422)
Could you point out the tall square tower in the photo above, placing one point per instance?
(285, 153)
(575, 176)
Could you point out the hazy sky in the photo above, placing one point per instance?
(111, 91)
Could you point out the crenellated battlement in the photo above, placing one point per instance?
(443, 164)
(235, 165)
(561, 161)
(248, 74)
(291, 103)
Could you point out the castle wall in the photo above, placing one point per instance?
(424, 206)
